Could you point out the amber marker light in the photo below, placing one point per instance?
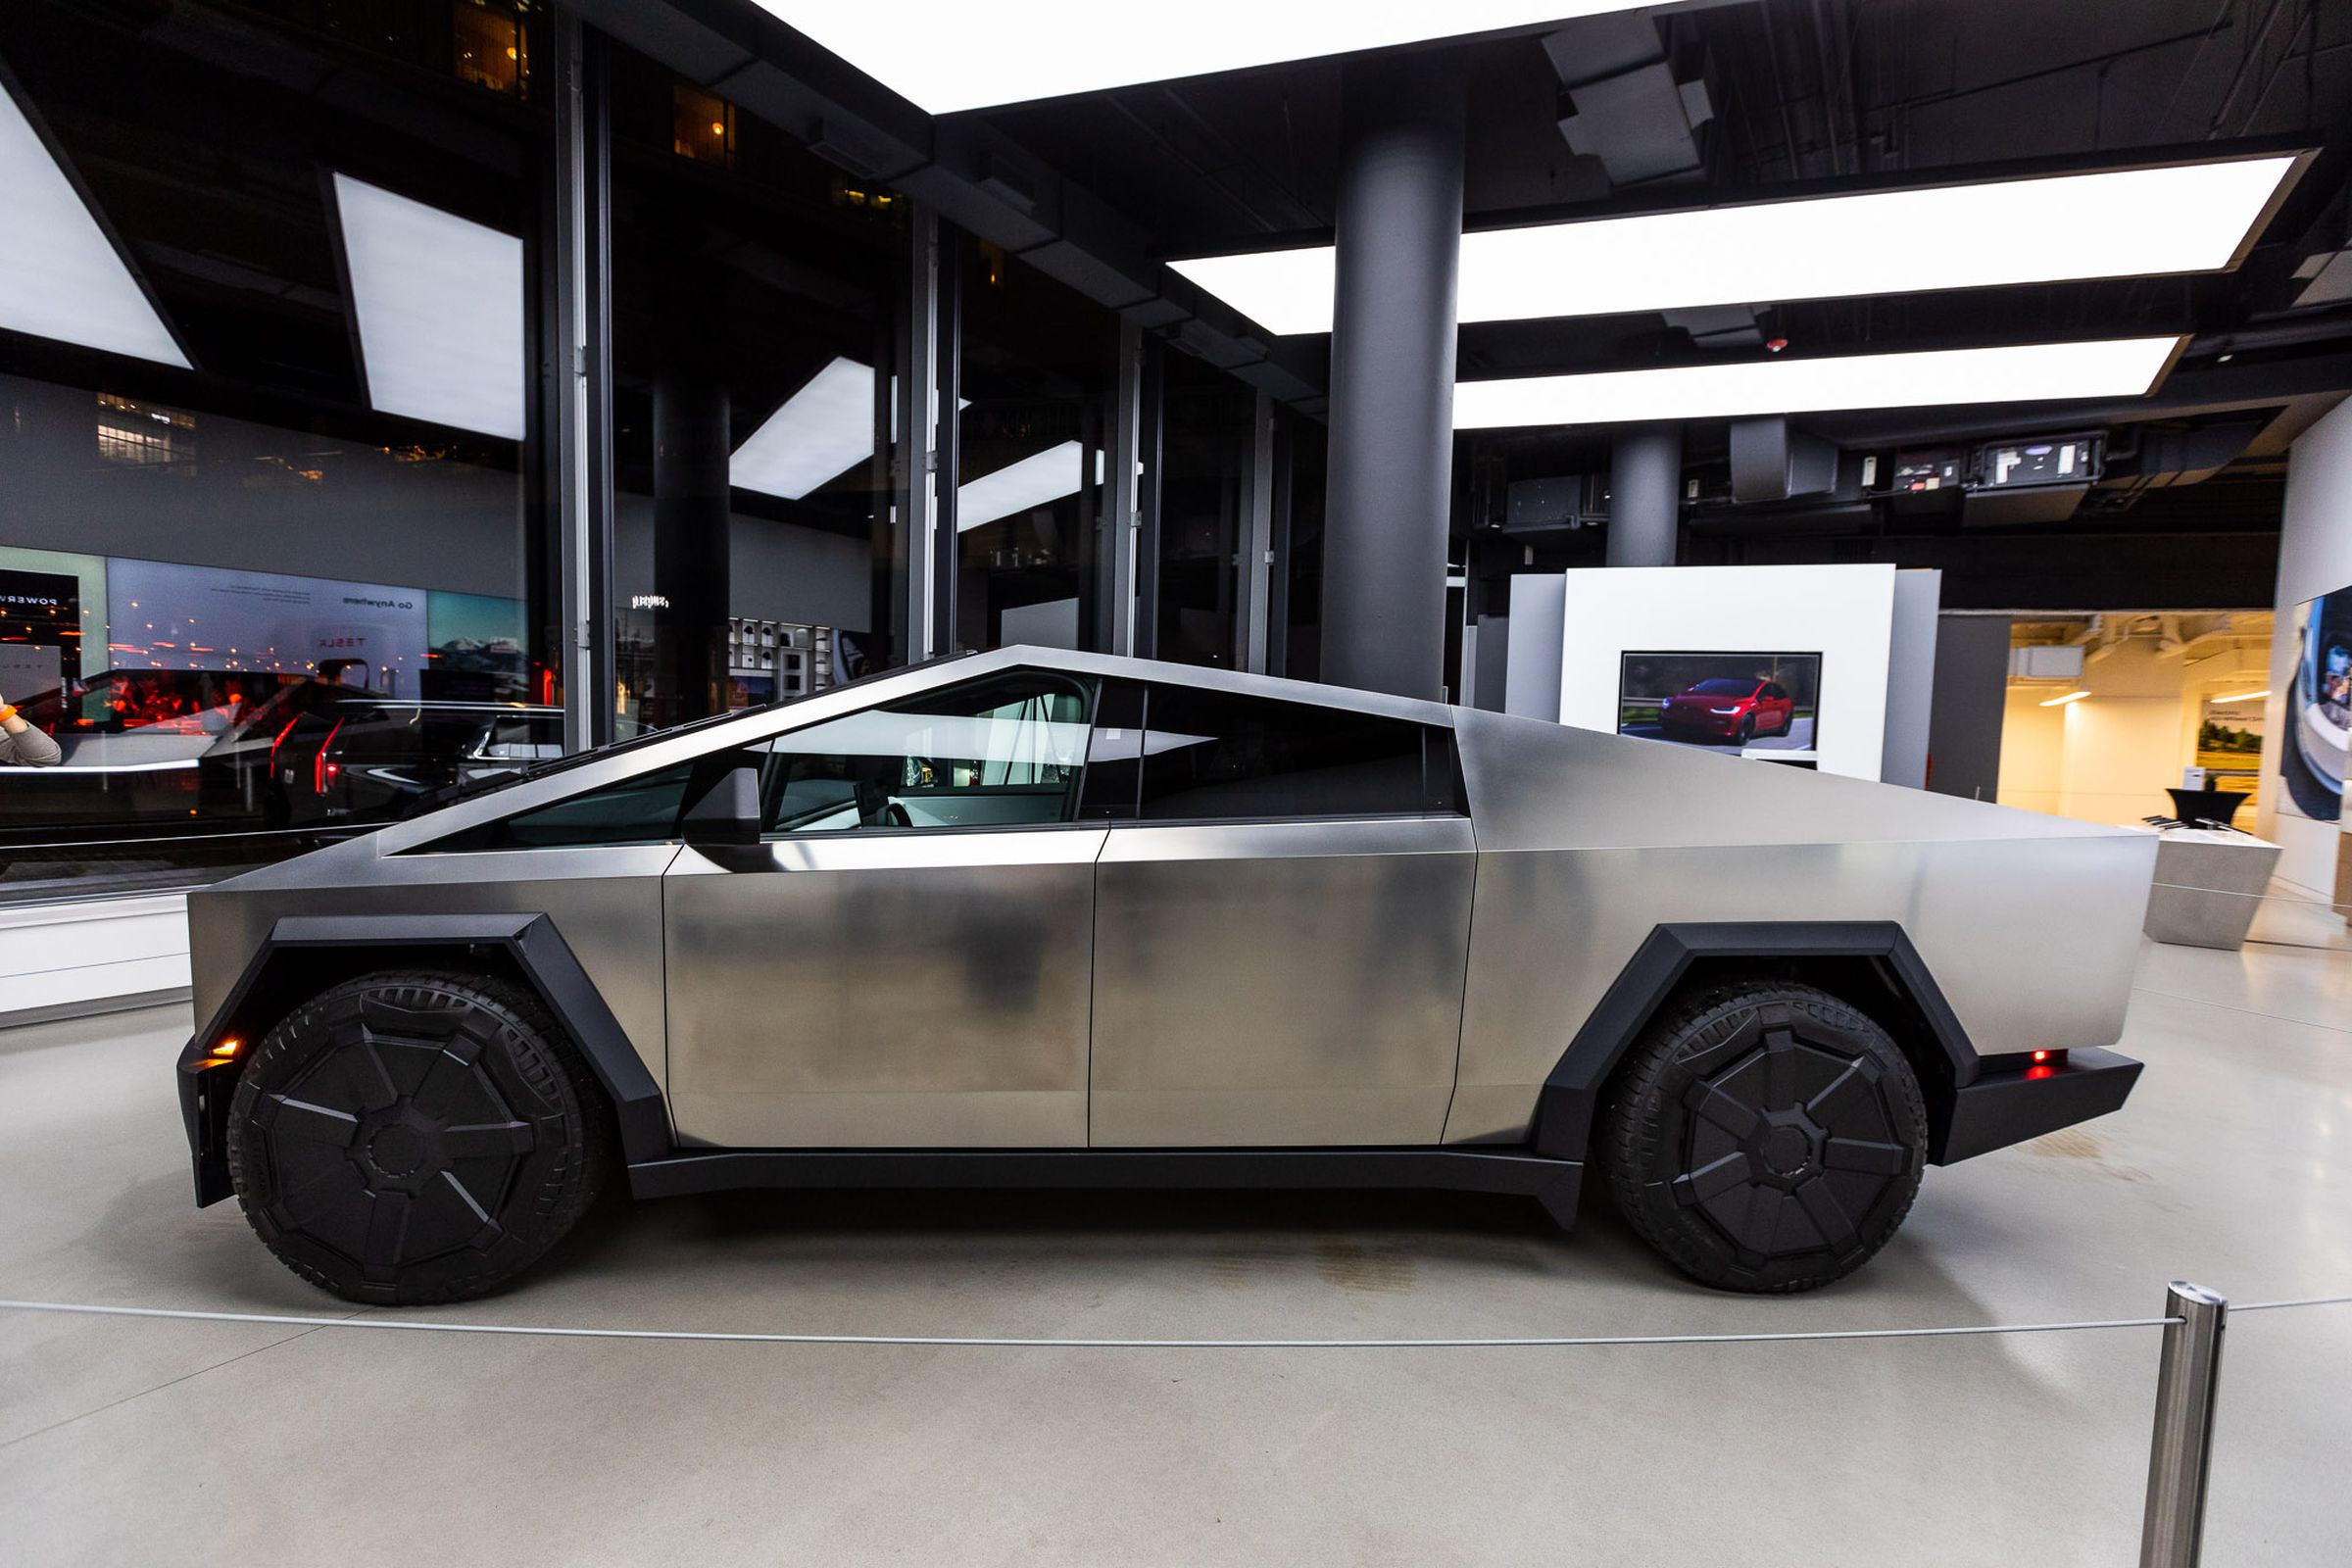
(226, 1048)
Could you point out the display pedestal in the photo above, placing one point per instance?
(2208, 884)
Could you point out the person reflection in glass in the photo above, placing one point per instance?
(23, 746)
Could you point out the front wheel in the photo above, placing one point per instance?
(1763, 1136)
(416, 1135)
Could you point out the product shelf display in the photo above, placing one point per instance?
(768, 661)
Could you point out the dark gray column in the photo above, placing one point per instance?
(1397, 227)
(1645, 501)
(690, 544)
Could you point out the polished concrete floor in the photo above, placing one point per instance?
(127, 1441)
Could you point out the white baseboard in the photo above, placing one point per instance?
(95, 955)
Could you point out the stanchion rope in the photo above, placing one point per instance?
(1011, 1344)
(2271, 1306)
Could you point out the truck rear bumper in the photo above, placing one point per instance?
(2001, 1109)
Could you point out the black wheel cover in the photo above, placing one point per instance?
(1766, 1137)
(413, 1137)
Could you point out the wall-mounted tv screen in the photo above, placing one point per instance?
(2320, 709)
(1735, 703)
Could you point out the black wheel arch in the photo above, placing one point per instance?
(1869, 964)
(305, 955)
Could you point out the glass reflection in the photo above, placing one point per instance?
(1204, 455)
(280, 582)
(1037, 370)
(755, 545)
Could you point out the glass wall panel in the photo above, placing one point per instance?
(1038, 364)
(1205, 449)
(754, 308)
(264, 404)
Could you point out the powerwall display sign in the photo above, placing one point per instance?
(40, 632)
(2319, 710)
(166, 617)
(54, 600)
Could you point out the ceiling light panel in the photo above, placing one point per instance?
(947, 56)
(439, 304)
(60, 277)
(2188, 218)
(822, 431)
(1037, 480)
(2016, 373)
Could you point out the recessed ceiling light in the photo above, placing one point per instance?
(2016, 373)
(950, 57)
(2070, 697)
(823, 431)
(60, 277)
(439, 304)
(2185, 218)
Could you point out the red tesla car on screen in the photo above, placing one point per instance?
(1720, 709)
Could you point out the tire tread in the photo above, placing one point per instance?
(566, 1194)
(1632, 1129)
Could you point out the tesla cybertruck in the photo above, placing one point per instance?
(1033, 918)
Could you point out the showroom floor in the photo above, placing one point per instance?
(237, 1442)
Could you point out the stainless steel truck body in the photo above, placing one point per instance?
(1035, 917)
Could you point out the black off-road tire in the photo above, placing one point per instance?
(416, 1135)
(1763, 1136)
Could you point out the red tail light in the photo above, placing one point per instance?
(320, 769)
(281, 738)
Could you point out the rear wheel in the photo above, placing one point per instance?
(416, 1135)
(1764, 1136)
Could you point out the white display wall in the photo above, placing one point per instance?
(2315, 559)
(1843, 613)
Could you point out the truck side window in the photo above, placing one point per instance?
(1211, 754)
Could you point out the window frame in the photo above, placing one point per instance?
(1441, 765)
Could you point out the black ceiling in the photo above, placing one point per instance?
(1804, 91)
(1808, 92)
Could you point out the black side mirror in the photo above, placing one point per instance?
(729, 812)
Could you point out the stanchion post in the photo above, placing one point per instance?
(2171, 1532)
